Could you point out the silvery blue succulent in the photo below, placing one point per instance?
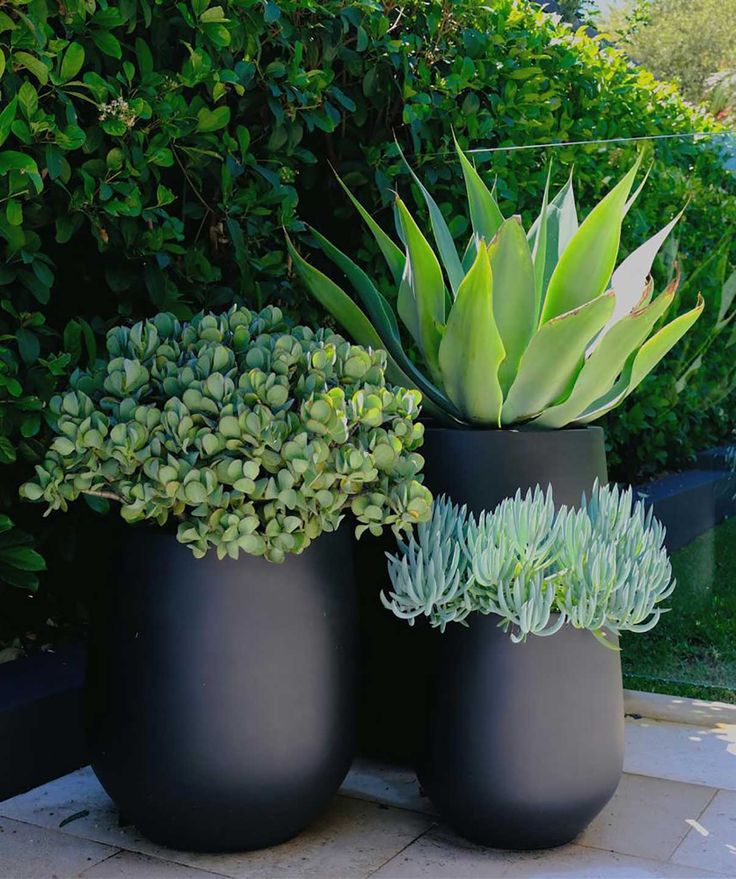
(601, 567)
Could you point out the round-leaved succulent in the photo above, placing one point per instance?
(251, 436)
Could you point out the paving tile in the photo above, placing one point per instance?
(679, 752)
(386, 783)
(28, 852)
(647, 817)
(352, 839)
(77, 805)
(442, 855)
(128, 865)
(711, 844)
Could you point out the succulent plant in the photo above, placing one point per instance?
(535, 327)
(601, 567)
(252, 437)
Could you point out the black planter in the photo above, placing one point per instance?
(525, 741)
(478, 468)
(222, 693)
(482, 467)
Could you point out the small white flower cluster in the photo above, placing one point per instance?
(119, 109)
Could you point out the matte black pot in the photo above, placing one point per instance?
(482, 467)
(525, 741)
(222, 693)
(478, 468)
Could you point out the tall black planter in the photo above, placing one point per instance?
(482, 467)
(478, 468)
(525, 741)
(222, 693)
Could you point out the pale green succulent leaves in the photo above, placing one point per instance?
(485, 216)
(606, 362)
(471, 349)
(587, 263)
(551, 299)
(536, 567)
(252, 437)
(421, 301)
(553, 358)
(514, 299)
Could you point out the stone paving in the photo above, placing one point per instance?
(674, 815)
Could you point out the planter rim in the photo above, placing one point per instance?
(566, 627)
(152, 529)
(527, 431)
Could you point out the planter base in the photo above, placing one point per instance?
(525, 741)
(222, 693)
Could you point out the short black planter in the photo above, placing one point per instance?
(478, 468)
(222, 693)
(525, 742)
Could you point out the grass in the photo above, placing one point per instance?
(692, 652)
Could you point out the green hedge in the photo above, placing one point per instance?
(150, 153)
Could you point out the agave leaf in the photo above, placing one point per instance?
(630, 278)
(585, 266)
(537, 238)
(469, 254)
(553, 358)
(401, 370)
(485, 214)
(335, 300)
(392, 253)
(471, 348)
(441, 232)
(609, 358)
(375, 304)
(643, 362)
(637, 191)
(514, 305)
(561, 224)
(425, 309)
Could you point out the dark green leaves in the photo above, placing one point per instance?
(72, 61)
(212, 120)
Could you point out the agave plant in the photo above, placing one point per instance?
(535, 327)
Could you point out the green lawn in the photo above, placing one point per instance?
(692, 652)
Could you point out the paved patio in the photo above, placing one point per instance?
(674, 815)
